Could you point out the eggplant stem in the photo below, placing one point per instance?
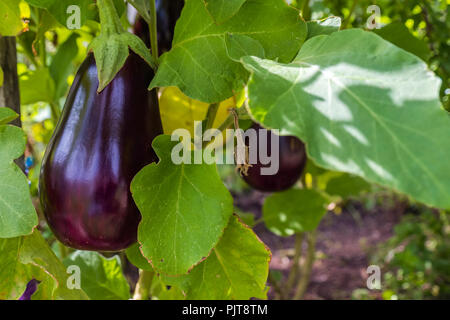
(211, 115)
(153, 27)
(275, 285)
(63, 250)
(227, 123)
(143, 286)
(293, 274)
(55, 111)
(307, 267)
(210, 118)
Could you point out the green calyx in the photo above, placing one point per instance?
(111, 46)
(109, 19)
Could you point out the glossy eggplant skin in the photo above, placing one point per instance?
(101, 141)
(168, 12)
(292, 161)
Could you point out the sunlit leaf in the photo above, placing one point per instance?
(199, 64)
(323, 27)
(184, 208)
(236, 269)
(362, 106)
(101, 278)
(17, 213)
(30, 257)
(36, 252)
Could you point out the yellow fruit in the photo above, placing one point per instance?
(179, 111)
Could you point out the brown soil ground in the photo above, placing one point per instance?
(343, 245)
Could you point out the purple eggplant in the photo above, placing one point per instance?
(292, 161)
(30, 290)
(101, 141)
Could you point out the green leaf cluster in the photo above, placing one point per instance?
(17, 214)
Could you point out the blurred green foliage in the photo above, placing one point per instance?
(415, 262)
(427, 20)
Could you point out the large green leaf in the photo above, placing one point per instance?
(36, 252)
(11, 23)
(236, 269)
(362, 106)
(222, 10)
(295, 210)
(17, 214)
(30, 257)
(198, 63)
(399, 34)
(101, 278)
(184, 208)
(13, 275)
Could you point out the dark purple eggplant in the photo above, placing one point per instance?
(168, 12)
(292, 161)
(30, 290)
(101, 141)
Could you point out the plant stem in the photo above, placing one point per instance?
(63, 250)
(55, 111)
(223, 126)
(293, 274)
(307, 266)
(347, 20)
(9, 91)
(211, 115)
(258, 221)
(306, 11)
(275, 285)
(27, 52)
(153, 25)
(143, 11)
(42, 51)
(142, 291)
(227, 123)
